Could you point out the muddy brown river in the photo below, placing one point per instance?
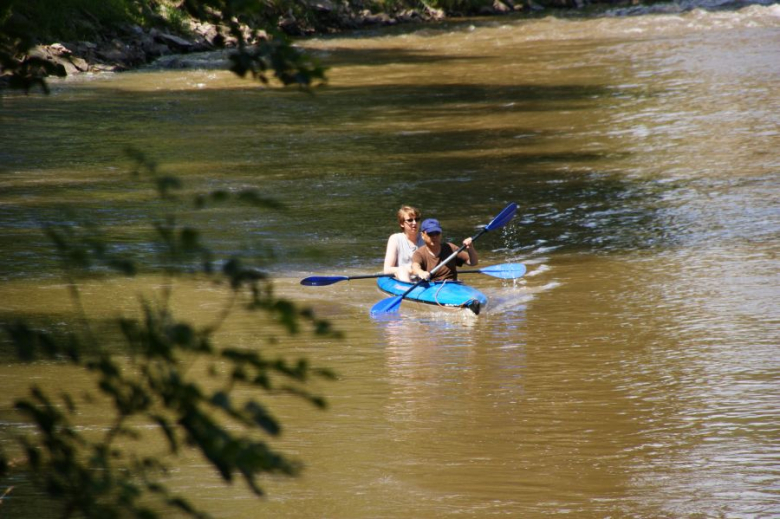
(633, 372)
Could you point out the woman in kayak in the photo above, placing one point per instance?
(401, 246)
(428, 258)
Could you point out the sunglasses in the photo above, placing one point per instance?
(410, 220)
(433, 234)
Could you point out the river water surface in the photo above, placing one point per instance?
(633, 372)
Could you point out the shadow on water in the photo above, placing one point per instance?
(467, 95)
(355, 168)
(337, 56)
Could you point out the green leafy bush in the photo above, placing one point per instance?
(150, 382)
(70, 20)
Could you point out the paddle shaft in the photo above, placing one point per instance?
(368, 276)
(440, 265)
(460, 249)
(507, 271)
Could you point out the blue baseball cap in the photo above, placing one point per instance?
(430, 225)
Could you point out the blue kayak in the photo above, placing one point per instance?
(449, 294)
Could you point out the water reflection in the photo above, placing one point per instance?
(444, 371)
(415, 341)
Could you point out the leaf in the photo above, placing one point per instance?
(125, 266)
(200, 201)
(262, 418)
(287, 315)
(181, 334)
(68, 401)
(253, 197)
(168, 430)
(167, 183)
(222, 400)
(24, 339)
(220, 195)
(189, 239)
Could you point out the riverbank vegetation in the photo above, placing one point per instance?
(86, 19)
(91, 35)
(39, 38)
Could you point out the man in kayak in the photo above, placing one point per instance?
(427, 258)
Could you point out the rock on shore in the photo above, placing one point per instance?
(130, 47)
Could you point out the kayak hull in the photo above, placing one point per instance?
(445, 294)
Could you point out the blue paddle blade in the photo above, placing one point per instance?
(503, 217)
(321, 281)
(386, 306)
(505, 271)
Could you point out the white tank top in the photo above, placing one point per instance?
(404, 249)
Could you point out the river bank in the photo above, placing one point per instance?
(128, 46)
(125, 46)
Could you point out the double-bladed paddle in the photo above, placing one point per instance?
(392, 304)
(505, 271)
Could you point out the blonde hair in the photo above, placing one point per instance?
(405, 211)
